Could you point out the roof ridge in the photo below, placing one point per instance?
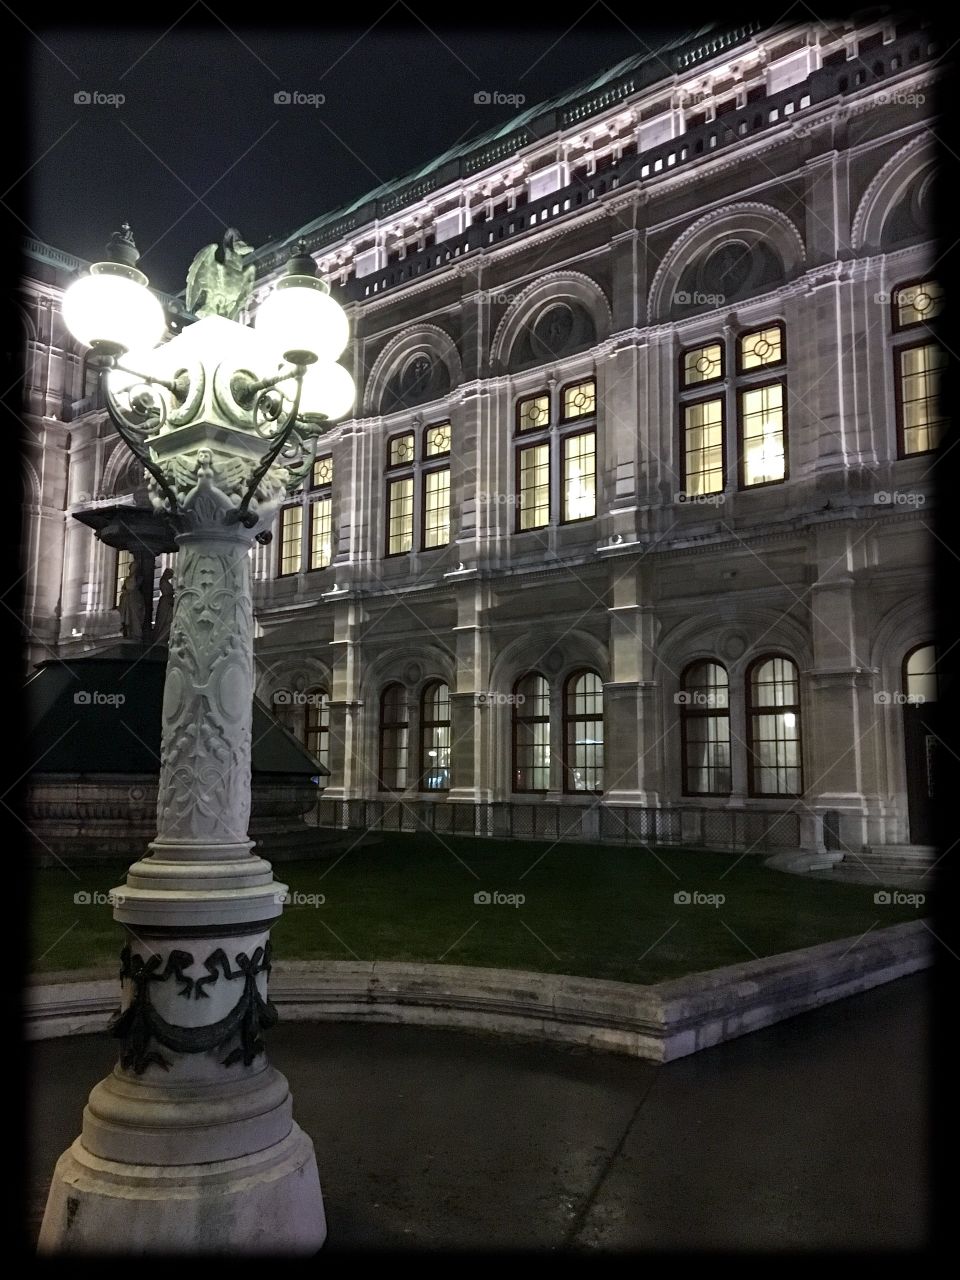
(590, 84)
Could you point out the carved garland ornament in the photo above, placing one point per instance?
(140, 1023)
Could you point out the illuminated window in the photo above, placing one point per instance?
(533, 414)
(321, 533)
(436, 508)
(761, 348)
(705, 730)
(579, 476)
(435, 737)
(702, 364)
(533, 466)
(437, 440)
(401, 450)
(399, 516)
(579, 400)
(762, 435)
(773, 727)
(921, 417)
(317, 725)
(703, 468)
(531, 733)
(917, 303)
(758, 407)
(322, 473)
(123, 566)
(561, 461)
(920, 674)
(583, 733)
(291, 534)
(394, 737)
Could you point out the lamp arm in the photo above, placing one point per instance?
(301, 473)
(148, 378)
(272, 454)
(133, 445)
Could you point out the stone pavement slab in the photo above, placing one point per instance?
(810, 1133)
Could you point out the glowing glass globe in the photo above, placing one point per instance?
(301, 321)
(328, 392)
(110, 308)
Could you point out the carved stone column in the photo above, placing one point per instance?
(190, 1144)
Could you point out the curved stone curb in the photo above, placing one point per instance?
(660, 1022)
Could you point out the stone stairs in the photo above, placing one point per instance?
(901, 865)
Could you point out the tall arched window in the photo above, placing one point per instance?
(773, 727)
(394, 738)
(583, 732)
(921, 740)
(317, 725)
(531, 733)
(920, 674)
(705, 730)
(435, 737)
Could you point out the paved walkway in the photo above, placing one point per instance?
(809, 1134)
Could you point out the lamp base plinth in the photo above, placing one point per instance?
(269, 1202)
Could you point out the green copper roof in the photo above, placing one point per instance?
(590, 97)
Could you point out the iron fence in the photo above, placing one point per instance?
(593, 823)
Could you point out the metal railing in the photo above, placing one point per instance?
(593, 823)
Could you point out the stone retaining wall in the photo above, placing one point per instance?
(659, 1022)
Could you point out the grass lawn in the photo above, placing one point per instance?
(597, 911)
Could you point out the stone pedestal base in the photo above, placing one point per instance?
(269, 1203)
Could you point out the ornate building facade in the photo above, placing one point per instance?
(628, 534)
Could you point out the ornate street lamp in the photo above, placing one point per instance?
(190, 1145)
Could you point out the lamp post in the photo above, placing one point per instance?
(190, 1144)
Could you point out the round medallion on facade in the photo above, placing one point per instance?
(553, 331)
(415, 378)
(412, 673)
(733, 645)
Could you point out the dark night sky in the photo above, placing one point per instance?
(200, 120)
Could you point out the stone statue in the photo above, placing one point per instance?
(220, 278)
(161, 623)
(131, 606)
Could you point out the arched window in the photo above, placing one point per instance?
(435, 737)
(394, 738)
(316, 725)
(773, 727)
(531, 733)
(705, 730)
(583, 732)
(920, 674)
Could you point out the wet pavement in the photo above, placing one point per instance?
(808, 1134)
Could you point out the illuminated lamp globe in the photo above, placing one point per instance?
(301, 320)
(328, 392)
(112, 310)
